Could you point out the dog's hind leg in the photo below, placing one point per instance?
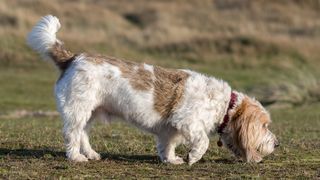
(85, 147)
(76, 116)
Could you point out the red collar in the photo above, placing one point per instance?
(232, 101)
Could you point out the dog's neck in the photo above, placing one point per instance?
(232, 103)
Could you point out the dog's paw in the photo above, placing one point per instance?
(190, 162)
(192, 159)
(93, 155)
(177, 160)
(78, 158)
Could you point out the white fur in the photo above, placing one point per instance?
(43, 35)
(148, 67)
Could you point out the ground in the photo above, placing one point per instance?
(33, 148)
(267, 50)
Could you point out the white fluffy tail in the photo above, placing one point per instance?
(43, 39)
(43, 35)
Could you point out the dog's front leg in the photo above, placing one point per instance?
(199, 145)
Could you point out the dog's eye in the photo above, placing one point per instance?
(265, 125)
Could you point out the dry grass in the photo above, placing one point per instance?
(228, 27)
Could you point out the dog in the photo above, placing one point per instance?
(177, 106)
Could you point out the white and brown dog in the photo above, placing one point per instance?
(177, 106)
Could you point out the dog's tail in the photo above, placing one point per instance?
(43, 39)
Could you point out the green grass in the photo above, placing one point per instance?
(33, 148)
(27, 88)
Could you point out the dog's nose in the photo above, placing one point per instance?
(276, 144)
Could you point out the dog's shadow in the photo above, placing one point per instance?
(34, 153)
(47, 153)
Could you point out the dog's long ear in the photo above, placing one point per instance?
(244, 125)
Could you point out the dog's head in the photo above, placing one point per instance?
(247, 134)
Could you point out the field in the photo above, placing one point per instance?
(267, 49)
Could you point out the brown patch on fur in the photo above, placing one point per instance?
(168, 84)
(246, 126)
(168, 90)
(61, 57)
(97, 59)
(139, 78)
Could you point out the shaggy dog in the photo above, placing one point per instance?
(176, 106)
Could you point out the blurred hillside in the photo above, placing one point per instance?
(269, 49)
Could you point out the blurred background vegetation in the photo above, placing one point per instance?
(269, 49)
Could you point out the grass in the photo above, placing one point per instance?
(266, 49)
(32, 144)
(18, 85)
